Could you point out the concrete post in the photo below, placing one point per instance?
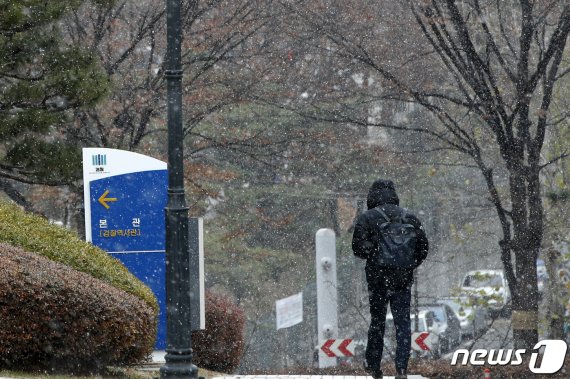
(327, 318)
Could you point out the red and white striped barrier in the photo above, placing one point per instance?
(338, 348)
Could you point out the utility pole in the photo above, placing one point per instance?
(178, 316)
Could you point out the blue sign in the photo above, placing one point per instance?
(125, 197)
(127, 211)
(150, 269)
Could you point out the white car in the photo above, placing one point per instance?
(487, 288)
(426, 322)
(473, 321)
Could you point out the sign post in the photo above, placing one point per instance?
(338, 348)
(327, 317)
(124, 198)
(422, 341)
(197, 295)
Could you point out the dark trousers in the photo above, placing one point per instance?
(399, 299)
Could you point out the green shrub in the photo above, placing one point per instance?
(35, 234)
(219, 347)
(54, 317)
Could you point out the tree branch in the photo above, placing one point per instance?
(554, 160)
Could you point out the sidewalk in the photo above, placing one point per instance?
(158, 359)
(307, 377)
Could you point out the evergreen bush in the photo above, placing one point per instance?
(35, 234)
(219, 347)
(54, 317)
(76, 288)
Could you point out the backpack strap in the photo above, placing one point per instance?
(403, 215)
(383, 214)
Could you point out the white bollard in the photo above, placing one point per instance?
(327, 319)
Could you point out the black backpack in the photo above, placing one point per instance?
(397, 242)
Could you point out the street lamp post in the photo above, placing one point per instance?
(178, 331)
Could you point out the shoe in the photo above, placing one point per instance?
(401, 374)
(376, 373)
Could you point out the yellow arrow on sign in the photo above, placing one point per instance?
(104, 199)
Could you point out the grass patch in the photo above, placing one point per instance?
(113, 373)
(35, 234)
(123, 374)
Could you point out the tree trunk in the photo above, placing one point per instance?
(527, 237)
(333, 211)
(525, 302)
(17, 197)
(554, 302)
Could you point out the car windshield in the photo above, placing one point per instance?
(421, 324)
(453, 304)
(438, 312)
(483, 280)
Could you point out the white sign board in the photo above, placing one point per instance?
(289, 311)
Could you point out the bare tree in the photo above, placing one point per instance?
(129, 39)
(486, 71)
(223, 55)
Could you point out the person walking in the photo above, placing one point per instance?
(394, 243)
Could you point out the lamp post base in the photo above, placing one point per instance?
(178, 365)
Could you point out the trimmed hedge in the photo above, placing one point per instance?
(219, 347)
(54, 317)
(35, 234)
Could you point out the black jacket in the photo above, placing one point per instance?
(365, 238)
